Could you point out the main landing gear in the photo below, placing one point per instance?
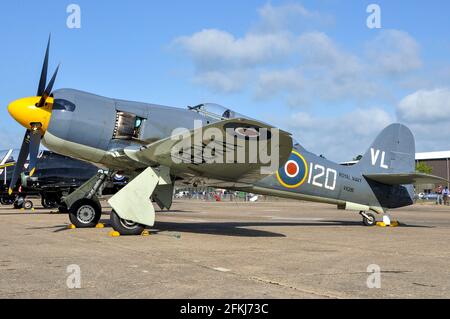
(132, 208)
(85, 210)
(83, 205)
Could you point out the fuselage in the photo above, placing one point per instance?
(96, 129)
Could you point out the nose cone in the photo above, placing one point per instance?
(25, 112)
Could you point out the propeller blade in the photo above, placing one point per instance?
(43, 80)
(19, 168)
(35, 141)
(49, 89)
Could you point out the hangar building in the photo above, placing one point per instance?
(439, 161)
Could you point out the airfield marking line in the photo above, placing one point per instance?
(272, 282)
(308, 291)
(222, 269)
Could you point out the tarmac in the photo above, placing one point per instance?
(279, 249)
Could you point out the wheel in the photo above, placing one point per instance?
(6, 201)
(85, 213)
(125, 227)
(28, 204)
(370, 220)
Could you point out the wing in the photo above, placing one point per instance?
(405, 178)
(223, 150)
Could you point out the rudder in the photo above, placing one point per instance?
(393, 151)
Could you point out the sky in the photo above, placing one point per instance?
(313, 68)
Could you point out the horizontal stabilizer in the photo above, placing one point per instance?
(405, 178)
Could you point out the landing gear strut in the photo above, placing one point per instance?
(369, 219)
(85, 209)
(83, 205)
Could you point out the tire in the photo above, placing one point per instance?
(7, 201)
(125, 227)
(85, 213)
(27, 205)
(371, 221)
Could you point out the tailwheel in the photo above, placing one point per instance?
(85, 213)
(22, 203)
(125, 227)
(28, 204)
(369, 219)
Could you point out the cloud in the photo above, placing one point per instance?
(281, 59)
(290, 16)
(284, 57)
(303, 67)
(219, 57)
(318, 50)
(212, 49)
(326, 73)
(341, 138)
(273, 82)
(427, 113)
(222, 82)
(425, 106)
(227, 64)
(394, 52)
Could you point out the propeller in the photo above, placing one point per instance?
(31, 117)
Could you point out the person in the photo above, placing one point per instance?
(439, 195)
(445, 194)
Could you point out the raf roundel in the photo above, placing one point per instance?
(293, 173)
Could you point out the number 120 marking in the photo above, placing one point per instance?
(316, 174)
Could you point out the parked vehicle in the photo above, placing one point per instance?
(56, 176)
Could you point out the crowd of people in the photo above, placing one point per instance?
(443, 194)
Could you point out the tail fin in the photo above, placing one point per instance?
(393, 151)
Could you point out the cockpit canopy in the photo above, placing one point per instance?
(216, 111)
